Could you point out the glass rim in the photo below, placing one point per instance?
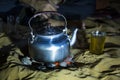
(98, 33)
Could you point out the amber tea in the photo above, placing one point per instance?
(97, 42)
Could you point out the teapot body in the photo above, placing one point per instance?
(49, 44)
(49, 49)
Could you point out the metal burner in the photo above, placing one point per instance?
(42, 65)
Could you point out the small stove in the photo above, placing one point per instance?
(43, 66)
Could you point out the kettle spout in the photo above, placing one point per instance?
(73, 39)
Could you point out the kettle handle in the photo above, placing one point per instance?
(52, 12)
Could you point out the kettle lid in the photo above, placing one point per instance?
(50, 30)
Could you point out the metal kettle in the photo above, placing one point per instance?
(51, 46)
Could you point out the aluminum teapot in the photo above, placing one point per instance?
(53, 46)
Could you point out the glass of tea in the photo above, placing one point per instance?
(97, 42)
